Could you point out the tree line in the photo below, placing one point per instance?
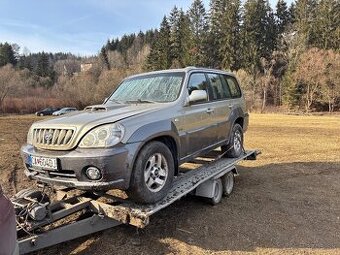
(284, 58)
(268, 49)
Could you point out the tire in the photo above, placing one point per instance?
(152, 174)
(218, 193)
(41, 114)
(235, 147)
(228, 181)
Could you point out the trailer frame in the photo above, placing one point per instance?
(106, 211)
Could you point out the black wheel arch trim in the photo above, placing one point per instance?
(152, 131)
(236, 113)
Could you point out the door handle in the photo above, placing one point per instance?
(210, 110)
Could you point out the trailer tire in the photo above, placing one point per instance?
(228, 181)
(152, 174)
(234, 148)
(218, 192)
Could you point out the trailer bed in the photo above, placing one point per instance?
(107, 211)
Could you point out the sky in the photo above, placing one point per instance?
(81, 27)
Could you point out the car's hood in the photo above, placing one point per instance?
(97, 114)
(83, 121)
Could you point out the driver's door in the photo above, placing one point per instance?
(194, 123)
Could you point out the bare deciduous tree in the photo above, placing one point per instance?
(331, 83)
(9, 79)
(309, 74)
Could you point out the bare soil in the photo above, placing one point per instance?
(286, 202)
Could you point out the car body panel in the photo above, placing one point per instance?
(195, 128)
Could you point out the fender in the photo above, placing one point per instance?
(153, 130)
(236, 113)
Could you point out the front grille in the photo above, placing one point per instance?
(50, 137)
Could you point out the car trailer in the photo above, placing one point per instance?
(42, 223)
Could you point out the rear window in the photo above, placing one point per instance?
(218, 88)
(234, 88)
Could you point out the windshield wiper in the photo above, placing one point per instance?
(116, 101)
(141, 101)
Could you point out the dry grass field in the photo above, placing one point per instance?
(286, 202)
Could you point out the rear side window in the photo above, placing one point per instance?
(218, 88)
(234, 88)
(197, 81)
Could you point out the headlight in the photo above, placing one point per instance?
(30, 136)
(103, 136)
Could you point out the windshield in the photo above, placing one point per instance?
(163, 87)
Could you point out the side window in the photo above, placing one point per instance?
(218, 90)
(197, 81)
(233, 86)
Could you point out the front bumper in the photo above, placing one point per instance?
(115, 164)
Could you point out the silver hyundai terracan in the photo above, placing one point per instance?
(137, 138)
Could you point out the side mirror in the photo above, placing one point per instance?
(198, 95)
(105, 100)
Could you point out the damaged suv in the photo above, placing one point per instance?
(136, 140)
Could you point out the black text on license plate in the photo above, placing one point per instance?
(44, 163)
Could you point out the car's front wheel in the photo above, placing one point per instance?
(152, 174)
(235, 147)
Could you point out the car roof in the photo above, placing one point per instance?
(186, 70)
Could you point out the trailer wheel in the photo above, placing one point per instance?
(228, 183)
(218, 193)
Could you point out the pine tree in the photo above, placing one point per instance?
(150, 36)
(110, 45)
(291, 12)
(326, 25)
(43, 65)
(180, 38)
(230, 36)
(7, 54)
(258, 33)
(186, 41)
(159, 57)
(271, 33)
(104, 58)
(304, 16)
(198, 27)
(175, 40)
(217, 8)
(26, 62)
(282, 16)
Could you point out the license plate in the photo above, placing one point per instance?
(44, 163)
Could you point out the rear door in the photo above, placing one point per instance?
(220, 100)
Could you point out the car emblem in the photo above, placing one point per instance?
(48, 136)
